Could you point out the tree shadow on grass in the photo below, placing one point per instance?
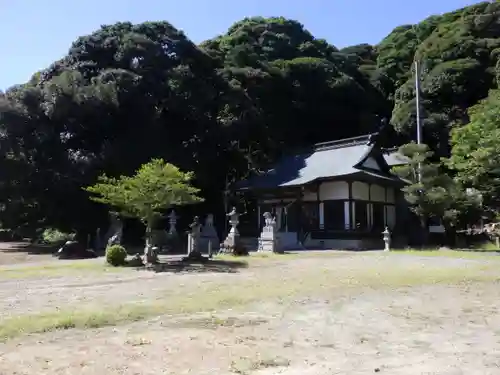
(199, 266)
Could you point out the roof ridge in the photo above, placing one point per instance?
(342, 143)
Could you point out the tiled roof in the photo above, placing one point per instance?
(324, 160)
(393, 158)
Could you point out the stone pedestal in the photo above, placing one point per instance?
(232, 240)
(268, 240)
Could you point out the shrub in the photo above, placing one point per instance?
(55, 236)
(116, 255)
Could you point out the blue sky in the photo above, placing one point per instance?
(34, 33)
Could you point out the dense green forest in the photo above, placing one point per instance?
(127, 93)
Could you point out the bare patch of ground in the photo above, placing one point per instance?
(345, 313)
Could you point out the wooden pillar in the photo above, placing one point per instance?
(369, 213)
(347, 214)
(279, 217)
(321, 208)
(349, 211)
(299, 216)
(258, 216)
(321, 215)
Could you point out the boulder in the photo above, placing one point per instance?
(74, 250)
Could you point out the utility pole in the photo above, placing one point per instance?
(419, 124)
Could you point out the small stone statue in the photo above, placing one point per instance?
(268, 240)
(195, 226)
(269, 221)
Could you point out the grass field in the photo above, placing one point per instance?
(301, 313)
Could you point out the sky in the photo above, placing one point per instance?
(35, 33)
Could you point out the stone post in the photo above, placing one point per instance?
(387, 239)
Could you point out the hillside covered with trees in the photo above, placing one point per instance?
(128, 93)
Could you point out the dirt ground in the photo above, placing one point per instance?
(392, 328)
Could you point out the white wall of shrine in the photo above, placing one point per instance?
(333, 190)
(339, 190)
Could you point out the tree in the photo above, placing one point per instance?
(458, 52)
(475, 153)
(155, 187)
(436, 194)
(239, 101)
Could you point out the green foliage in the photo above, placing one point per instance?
(55, 236)
(128, 93)
(155, 187)
(116, 255)
(475, 154)
(457, 52)
(435, 193)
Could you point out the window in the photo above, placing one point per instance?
(334, 215)
(360, 215)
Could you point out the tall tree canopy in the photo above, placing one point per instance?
(128, 93)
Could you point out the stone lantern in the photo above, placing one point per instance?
(387, 239)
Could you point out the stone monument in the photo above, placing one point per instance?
(268, 240)
(194, 237)
(209, 239)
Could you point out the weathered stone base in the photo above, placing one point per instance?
(267, 246)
